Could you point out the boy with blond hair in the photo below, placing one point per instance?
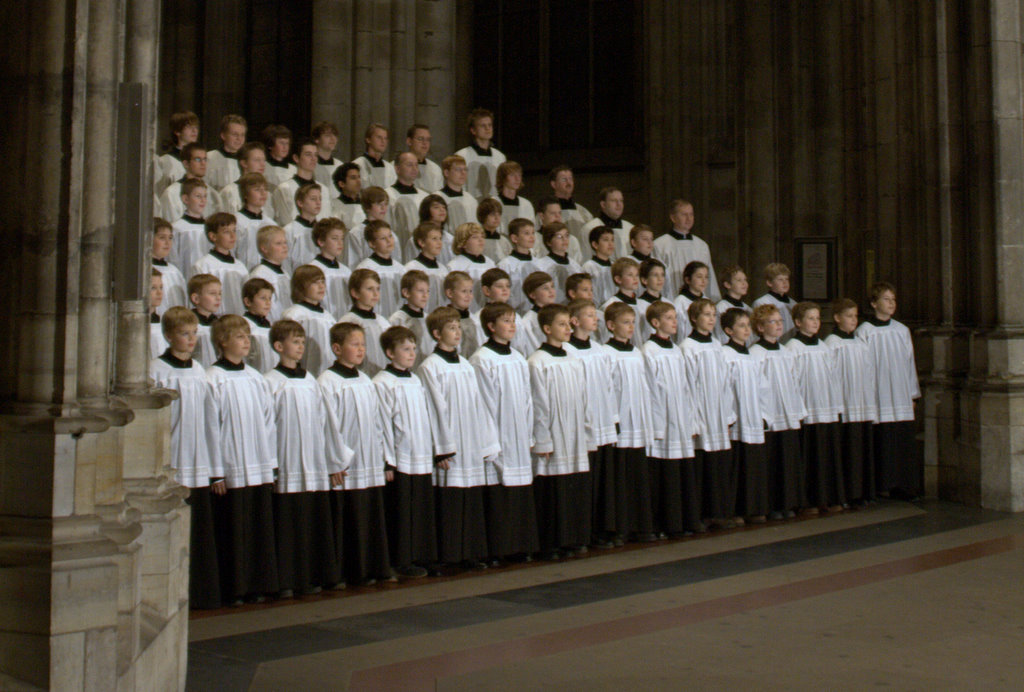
(273, 251)
(468, 246)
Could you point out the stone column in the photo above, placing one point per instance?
(332, 70)
(433, 77)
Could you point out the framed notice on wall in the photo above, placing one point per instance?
(816, 268)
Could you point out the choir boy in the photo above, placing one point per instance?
(539, 289)
(172, 204)
(305, 174)
(497, 288)
(308, 290)
(374, 201)
(433, 209)
(898, 466)
(418, 140)
(312, 460)
(561, 433)
(855, 369)
(359, 509)
(626, 277)
(364, 289)
(251, 217)
(679, 247)
(301, 248)
(579, 287)
(612, 205)
(496, 245)
(243, 502)
(452, 388)
(711, 385)
(204, 292)
(157, 343)
(504, 381)
(574, 215)
(675, 477)
(783, 408)
(777, 278)
(458, 289)
(412, 448)
(222, 163)
(750, 462)
(734, 281)
(382, 244)
(519, 262)
(329, 238)
(272, 242)
(429, 240)
(190, 228)
(652, 283)
(694, 285)
(412, 314)
(482, 159)
(184, 131)
(557, 262)
(173, 279)
(468, 247)
(822, 393)
(325, 136)
(549, 211)
(599, 266)
(510, 182)
(258, 296)
(641, 243)
(347, 187)
(461, 203)
(373, 169)
(195, 448)
(278, 141)
(252, 159)
(220, 260)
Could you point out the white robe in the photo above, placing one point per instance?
(282, 283)
(301, 248)
(172, 208)
(461, 208)
(318, 356)
(221, 169)
(248, 435)
(232, 275)
(157, 343)
(337, 300)
(323, 174)
(497, 248)
(205, 353)
(436, 275)
(431, 177)
(784, 308)
(533, 335)
(390, 282)
(418, 324)
(262, 355)
(405, 213)
(171, 169)
(375, 176)
(748, 381)
(374, 326)
(462, 421)
(631, 395)
(351, 214)
(189, 245)
(195, 439)
(309, 445)
(895, 370)
(782, 405)
(483, 170)
(284, 200)
(175, 287)
(559, 272)
(817, 380)
(231, 202)
(576, 216)
(603, 335)
(601, 280)
(411, 435)
(412, 250)
(711, 385)
(683, 303)
(602, 406)
(356, 410)
(723, 305)
(574, 253)
(622, 247)
(247, 249)
(856, 370)
(561, 421)
(504, 381)
(522, 342)
(672, 409)
(462, 263)
(518, 269)
(276, 175)
(643, 327)
(676, 254)
(523, 209)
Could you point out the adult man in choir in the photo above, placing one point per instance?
(461, 205)
(418, 140)
(405, 198)
(612, 204)
(575, 216)
(679, 247)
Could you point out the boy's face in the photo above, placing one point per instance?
(643, 243)
(419, 143)
(628, 280)
(450, 335)
(418, 296)
(259, 304)
(233, 137)
(352, 184)
(182, 340)
(525, 238)
(378, 211)
(667, 325)
(438, 213)
(504, 328)
(705, 320)
(461, 295)
(737, 285)
(311, 205)
(584, 290)
(563, 184)
(682, 217)
(207, 300)
(780, 284)
(585, 321)
(740, 331)
(498, 292)
(559, 330)
(315, 291)
(163, 239)
(613, 205)
(403, 355)
(622, 327)
(195, 202)
(772, 328)
(236, 346)
(224, 238)
(810, 323)
(432, 244)
(377, 142)
(698, 281)
(846, 320)
(383, 243)
(482, 129)
(492, 221)
(156, 291)
(367, 295)
(605, 246)
(353, 351)
(514, 180)
(333, 244)
(292, 348)
(327, 141)
(655, 280)
(188, 134)
(256, 196)
(282, 146)
(305, 158)
(885, 305)
(195, 167)
(550, 214)
(474, 244)
(456, 176)
(559, 243)
(543, 294)
(276, 248)
(254, 162)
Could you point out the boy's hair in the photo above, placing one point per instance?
(282, 329)
(178, 316)
(371, 128)
(516, 225)
(597, 231)
(264, 235)
(250, 147)
(803, 307)
(440, 317)
(731, 316)
(560, 168)
(156, 272)
(493, 276)
(620, 266)
(762, 313)
(487, 207)
(535, 280)
(648, 264)
(491, 313)
(395, 336)
(249, 181)
(200, 281)
(324, 226)
(341, 172)
(579, 305)
(232, 119)
(454, 279)
(573, 281)
(546, 202)
(547, 314)
(423, 230)
(549, 230)
(612, 312)
(370, 230)
(302, 278)
(159, 223)
(414, 127)
(697, 307)
(340, 331)
(225, 326)
(463, 233)
(450, 161)
(731, 271)
(842, 305)
(658, 309)
(324, 127)
(272, 133)
(428, 202)
(776, 269)
(690, 269)
(676, 203)
(189, 149)
(605, 191)
(880, 287)
(372, 195)
(253, 286)
(217, 221)
(504, 171)
(360, 277)
(636, 230)
(191, 184)
(303, 192)
(477, 114)
(300, 144)
(413, 277)
(179, 121)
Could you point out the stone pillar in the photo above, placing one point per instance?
(332, 69)
(142, 53)
(434, 75)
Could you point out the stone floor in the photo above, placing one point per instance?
(904, 596)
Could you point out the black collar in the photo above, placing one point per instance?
(450, 192)
(449, 356)
(276, 268)
(734, 302)
(345, 199)
(566, 204)
(639, 256)
(700, 338)
(258, 320)
(492, 235)
(509, 201)
(664, 343)
(408, 310)
(479, 259)
(310, 306)
(768, 345)
(303, 181)
(380, 260)
(843, 335)
(320, 161)
(620, 346)
(646, 295)
(225, 258)
(533, 306)
(159, 262)
(879, 323)
(503, 349)
(685, 291)
(579, 343)
(463, 314)
(739, 348)
(396, 372)
(553, 350)
(249, 215)
(376, 163)
(282, 163)
(226, 364)
(479, 151)
(174, 361)
(365, 314)
(558, 259)
(781, 297)
(602, 262)
(332, 263)
(194, 220)
(427, 262)
(344, 370)
(205, 321)
(302, 222)
(522, 256)
(809, 340)
(154, 318)
(609, 221)
(628, 300)
(296, 373)
(680, 236)
(405, 189)
(227, 154)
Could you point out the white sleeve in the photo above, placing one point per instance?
(437, 412)
(389, 419)
(659, 408)
(541, 413)
(339, 455)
